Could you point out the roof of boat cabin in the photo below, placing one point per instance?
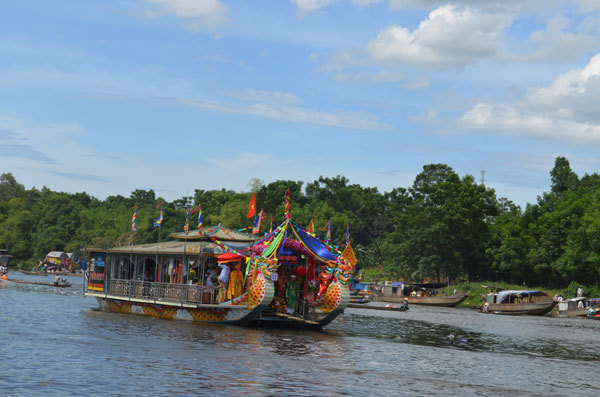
(521, 292)
(206, 248)
(56, 254)
(219, 233)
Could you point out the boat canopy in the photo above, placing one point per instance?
(418, 285)
(503, 295)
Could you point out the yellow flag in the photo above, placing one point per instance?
(348, 254)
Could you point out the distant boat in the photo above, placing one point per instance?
(33, 273)
(577, 307)
(515, 302)
(429, 294)
(65, 284)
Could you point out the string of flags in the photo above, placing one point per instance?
(327, 241)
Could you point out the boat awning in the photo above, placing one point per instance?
(229, 257)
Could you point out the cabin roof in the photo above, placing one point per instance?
(169, 248)
(56, 254)
(219, 233)
(521, 292)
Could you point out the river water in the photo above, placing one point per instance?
(53, 342)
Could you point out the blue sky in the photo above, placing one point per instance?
(176, 95)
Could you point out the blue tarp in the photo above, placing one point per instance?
(316, 247)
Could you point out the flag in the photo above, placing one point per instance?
(287, 204)
(271, 226)
(311, 226)
(199, 218)
(328, 233)
(257, 222)
(186, 228)
(348, 255)
(252, 206)
(133, 219)
(347, 233)
(158, 221)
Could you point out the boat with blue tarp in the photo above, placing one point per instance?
(516, 302)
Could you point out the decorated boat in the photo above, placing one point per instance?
(516, 302)
(286, 278)
(429, 294)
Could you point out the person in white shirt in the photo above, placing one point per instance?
(223, 281)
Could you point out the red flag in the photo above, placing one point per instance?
(252, 206)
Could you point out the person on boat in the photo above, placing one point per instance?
(579, 291)
(236, 280)
(4, 277)
(291, 295)
(56, 279)
(223, 281)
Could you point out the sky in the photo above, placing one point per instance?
(175, 95)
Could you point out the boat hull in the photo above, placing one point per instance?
(242, 310)
(319, 314)
(536, 308)
(443, 301)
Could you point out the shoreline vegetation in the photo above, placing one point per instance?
(443, 226)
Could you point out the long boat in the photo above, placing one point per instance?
(428, 294)
(60, 284)
(33, 273)
(517, 302)
(175, 279)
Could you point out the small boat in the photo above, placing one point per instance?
(577, 307)
(428, 294)
(515, 302)
(33, 273)
(63, 284)
(390, 308)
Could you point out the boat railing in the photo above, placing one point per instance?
(164, 292)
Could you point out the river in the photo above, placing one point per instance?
(55, 343)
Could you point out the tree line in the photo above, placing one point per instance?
(443, 226)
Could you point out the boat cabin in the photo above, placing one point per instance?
(182, 271)
(403, 289)
(516, 297)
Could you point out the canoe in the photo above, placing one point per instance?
(32, 273)
(370, 307)
(63, 285)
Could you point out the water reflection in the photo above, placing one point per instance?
(361, 352)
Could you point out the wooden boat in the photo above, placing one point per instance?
(60, 285)
(429, 294)
(516, 302)
(33, 273)
(576, 307)
(390, 308)
(116, 278)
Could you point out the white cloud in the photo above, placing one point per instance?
(366, 2)
(451, 37)
(308, 6)
(294, 114)
(276, 97)
(566, 111)
(556, 44)
(198, 13)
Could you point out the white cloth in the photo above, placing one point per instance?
(224, 276)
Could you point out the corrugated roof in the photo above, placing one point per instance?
(56, 254)
(221, 234)
(171, 248)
